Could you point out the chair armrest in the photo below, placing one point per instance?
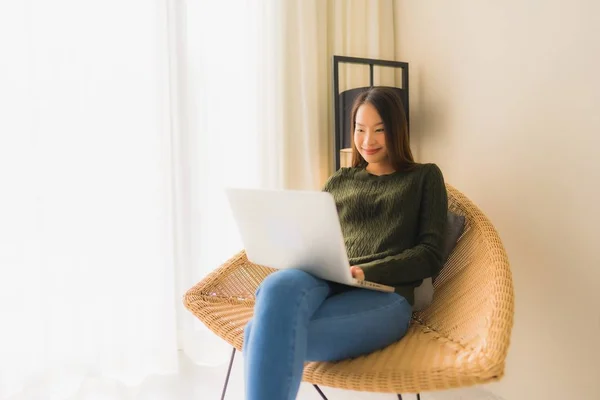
(473, 303)
(224, 299)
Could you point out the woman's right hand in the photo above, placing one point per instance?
(358, 273)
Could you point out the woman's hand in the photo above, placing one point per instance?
(357, 273)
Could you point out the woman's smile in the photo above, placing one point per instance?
(370, 152)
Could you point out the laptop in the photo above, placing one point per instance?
(294, 229)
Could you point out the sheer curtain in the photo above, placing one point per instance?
(87, 282)
(219, 62)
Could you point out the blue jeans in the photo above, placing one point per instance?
(298, 318)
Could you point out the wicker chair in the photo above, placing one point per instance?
(461, 339)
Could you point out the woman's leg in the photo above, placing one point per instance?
(275, 340)
(356, 322)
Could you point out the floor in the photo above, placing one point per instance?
(206, 383)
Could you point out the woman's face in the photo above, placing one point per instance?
(369, 135)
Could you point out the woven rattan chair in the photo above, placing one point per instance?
(461, 339)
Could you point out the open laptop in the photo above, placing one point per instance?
(294, 229)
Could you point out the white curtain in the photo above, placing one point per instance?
(219, 126)
(122, 121)
(87, 281)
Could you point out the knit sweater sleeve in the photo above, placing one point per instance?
(425, 259)
(333, 180)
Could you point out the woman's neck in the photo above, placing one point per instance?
(380, 169)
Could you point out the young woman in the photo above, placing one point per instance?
(393, 213)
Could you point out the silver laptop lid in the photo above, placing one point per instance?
(291, 229)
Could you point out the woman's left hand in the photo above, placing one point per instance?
(357, 273)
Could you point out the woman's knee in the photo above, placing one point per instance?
(287, 283)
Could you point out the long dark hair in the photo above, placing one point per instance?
(389, 107)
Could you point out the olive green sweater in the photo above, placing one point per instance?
(393, 225)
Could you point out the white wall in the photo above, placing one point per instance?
(505, 97)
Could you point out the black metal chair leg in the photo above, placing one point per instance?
(228, 373)
(320, 392)
(418, 396)
(315, 386)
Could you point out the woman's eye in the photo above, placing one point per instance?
(379, 130)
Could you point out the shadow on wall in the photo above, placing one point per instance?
(427, 117)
